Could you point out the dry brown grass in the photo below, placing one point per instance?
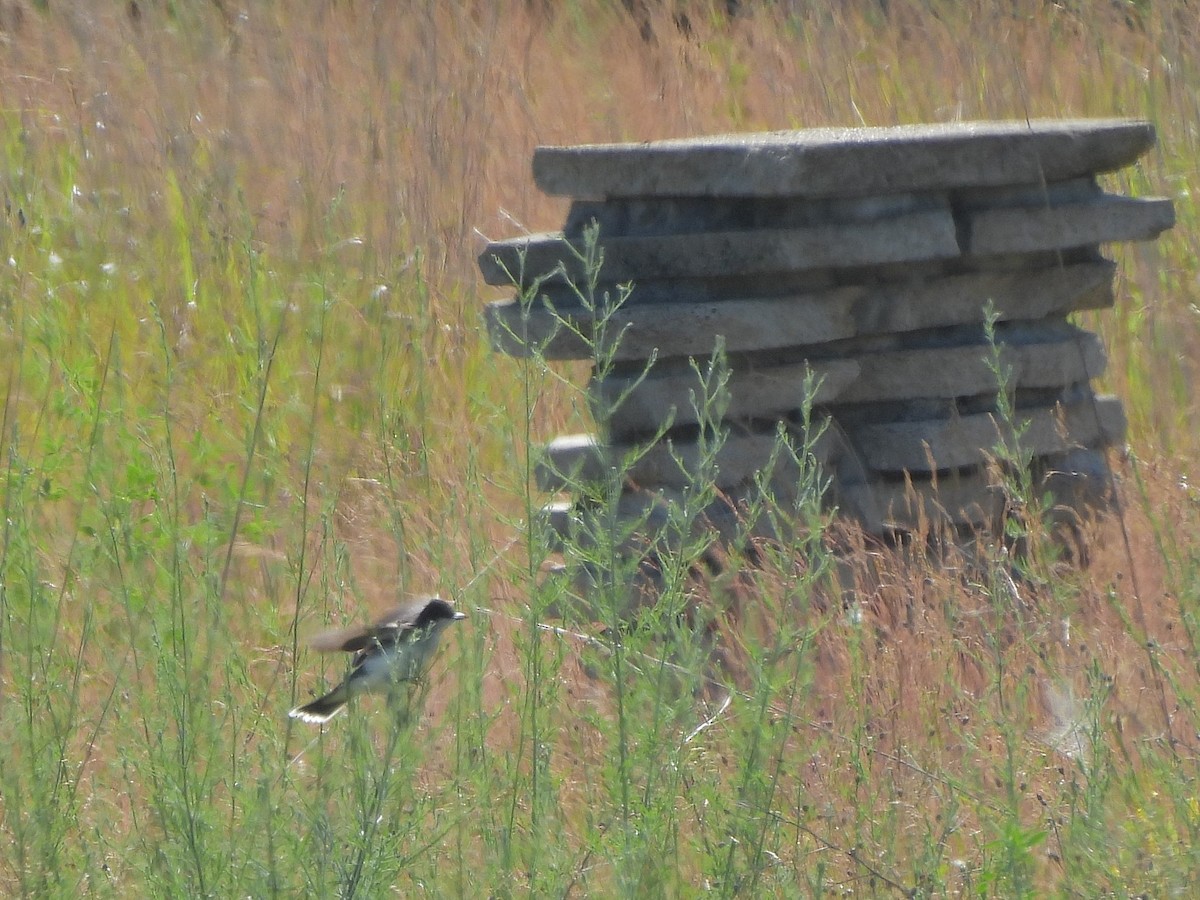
(384, 139)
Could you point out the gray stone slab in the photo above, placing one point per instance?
(963, 499)
(649, 402)
(655, 291)
(903, 308)
(925, 235)
(923, 408)
(572, 458)
(640, 523)
(717, 289)
(1080, 481)
(1065, 358)
(575, 459)
(845, 162)
(639, 216)
(969, 440)
(1095, 221)
(1044, 356)
(1038, 355)
(570, 525)
(1052, 193)
(687, 329)
(960, 499)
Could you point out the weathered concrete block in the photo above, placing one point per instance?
(969, 440)
(678, 329)
(1035, 194)
(675, 392)
(1096, 221)
(959, 499)
(845, 162)
(692, 329)
(641, 216)
(646, 216)
(642, 522)
(1047, 356)
(634, 526)
(1065, 358)
(921, 409)
(964, 498)
(928, 234)
(573, 459)
(1080, 481)
(864, 256)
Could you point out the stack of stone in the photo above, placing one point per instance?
(865, 258)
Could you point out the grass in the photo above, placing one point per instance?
(246, 392)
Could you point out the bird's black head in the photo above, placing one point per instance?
(436, 610)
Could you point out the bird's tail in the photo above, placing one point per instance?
(324, 708)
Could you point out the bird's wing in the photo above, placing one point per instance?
(384, 630)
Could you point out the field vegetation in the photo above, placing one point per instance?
(246, 393)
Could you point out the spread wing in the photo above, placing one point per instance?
(384, 630)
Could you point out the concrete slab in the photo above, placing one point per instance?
(925, 235)
(639, 524)
(962, 499)
(1065, 358)
(575, 459)
(1080, 482)
(650, 401)
(968, 440)
(641, 216)
(845, 162)
(1100, 220)
(691, 329)
(1046, 356)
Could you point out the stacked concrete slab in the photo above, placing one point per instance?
(864, 257)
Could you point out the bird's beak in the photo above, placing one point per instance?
(459, 615)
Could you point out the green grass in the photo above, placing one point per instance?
(247, 393)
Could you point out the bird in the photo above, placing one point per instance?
(395, 648)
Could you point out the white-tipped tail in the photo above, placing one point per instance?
(321, 710)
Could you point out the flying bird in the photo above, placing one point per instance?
(396, 648)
